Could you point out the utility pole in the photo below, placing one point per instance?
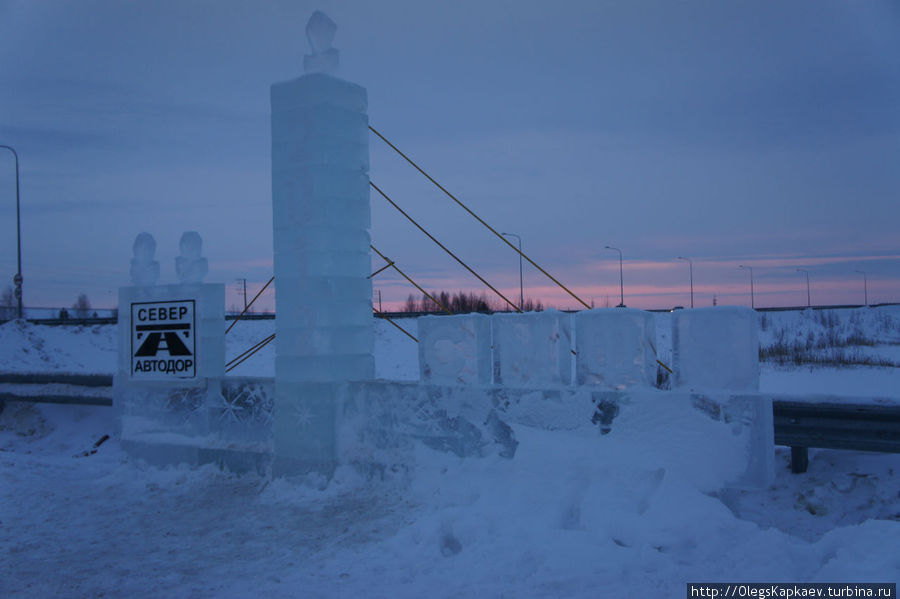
(521, 285)
(808, 302)
(865, 286)
(621, 280)
(752, 305)
(244, 282)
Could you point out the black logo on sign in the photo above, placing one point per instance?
(165, 335)
(162, 341)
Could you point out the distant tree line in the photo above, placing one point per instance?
(80, 309)
(463, 302)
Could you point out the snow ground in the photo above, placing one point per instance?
(560, 519)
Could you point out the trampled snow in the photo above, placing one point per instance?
(562, 517)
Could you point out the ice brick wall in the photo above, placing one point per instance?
(532, 349)
(455, 349)
(320, 206)
(716, 348)
(614, 348)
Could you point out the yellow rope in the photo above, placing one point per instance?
(656, 355)
(384, 316)
(442, 246)
(478, 218)
(382, 269)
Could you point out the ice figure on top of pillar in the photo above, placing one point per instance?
(320, 30)
(144, 269)
(190, 266)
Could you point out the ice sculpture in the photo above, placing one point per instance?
(144, 269)
(190, 266)
(321, 217)
(320, 32)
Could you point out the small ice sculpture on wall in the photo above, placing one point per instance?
(144, 269)
(190, 266)
(320, 30)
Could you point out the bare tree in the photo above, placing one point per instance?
(82, 306)
(410, 305)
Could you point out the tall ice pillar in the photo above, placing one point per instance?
(323, 297)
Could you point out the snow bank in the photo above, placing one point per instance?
(572, 515)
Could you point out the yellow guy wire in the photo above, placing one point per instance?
(443, 247)
(384, 316)
(478, 218)
(656, 355)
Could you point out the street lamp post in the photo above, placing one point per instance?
(692, 277)
(244, 283)
(521, 285)
(865, 286)
(808, 302)
(750, 268)
(621, 280)
(17, 280)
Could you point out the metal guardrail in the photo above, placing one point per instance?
(51, 378)
(91, 381)
(834, 423)
(77, 400)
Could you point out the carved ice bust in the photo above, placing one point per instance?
(320, 30)
(144, 269)
(190, 267)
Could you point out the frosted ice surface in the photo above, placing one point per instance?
(335, 263)
(455, 349)
(716, 348)
(144, 269)
(614, 348)
(325, 367)
(304, 427)
(190, 266)
(298, 341)
(532, 349)
(322, 238)
(315, 91)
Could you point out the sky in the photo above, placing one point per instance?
(760, 134)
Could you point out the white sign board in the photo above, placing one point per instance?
(163, 340)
